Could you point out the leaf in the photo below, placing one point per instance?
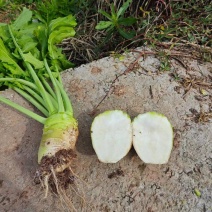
(41, 34)
(33, 60)
(127, 35)
(121, 58)
(36, 53)
(68, 21)
(162, 27)
(28, 30)
(3, 48)
(3, 24)
(123, 8)
(61, 62)
(8, 62)
(113, 12)
(62, 33)
(105, 14)
(56, 37)
(39, 17)
(27, 43)
(22, 19)
(197, 192)
(4, 34)
(29, 46)
(203, 92)
(110, 30)
(103, 25)
(127, 21)
(60, 29)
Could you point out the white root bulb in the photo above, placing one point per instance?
(111, 134)
(152, 137)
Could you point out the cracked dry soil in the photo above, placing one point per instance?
(183, 184)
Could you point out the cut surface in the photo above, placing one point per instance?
(111, 134)
(152, 137)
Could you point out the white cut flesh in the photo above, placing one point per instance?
(111, 134)
(152, 137)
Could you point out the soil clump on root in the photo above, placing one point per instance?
(56, 172)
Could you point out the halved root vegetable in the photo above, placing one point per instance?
(111, 134)
(152, 137)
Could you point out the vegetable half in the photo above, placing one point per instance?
(111, 134)
(152, 137)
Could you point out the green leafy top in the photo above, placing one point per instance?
(37, 42)
(29, 59)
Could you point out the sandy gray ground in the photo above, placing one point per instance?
(137, 186)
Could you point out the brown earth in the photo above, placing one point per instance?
(183, 184)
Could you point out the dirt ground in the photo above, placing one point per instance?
(183, 94)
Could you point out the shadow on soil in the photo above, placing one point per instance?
(28, 150)
(84, 144)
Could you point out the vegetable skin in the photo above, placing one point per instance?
(60, 132)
